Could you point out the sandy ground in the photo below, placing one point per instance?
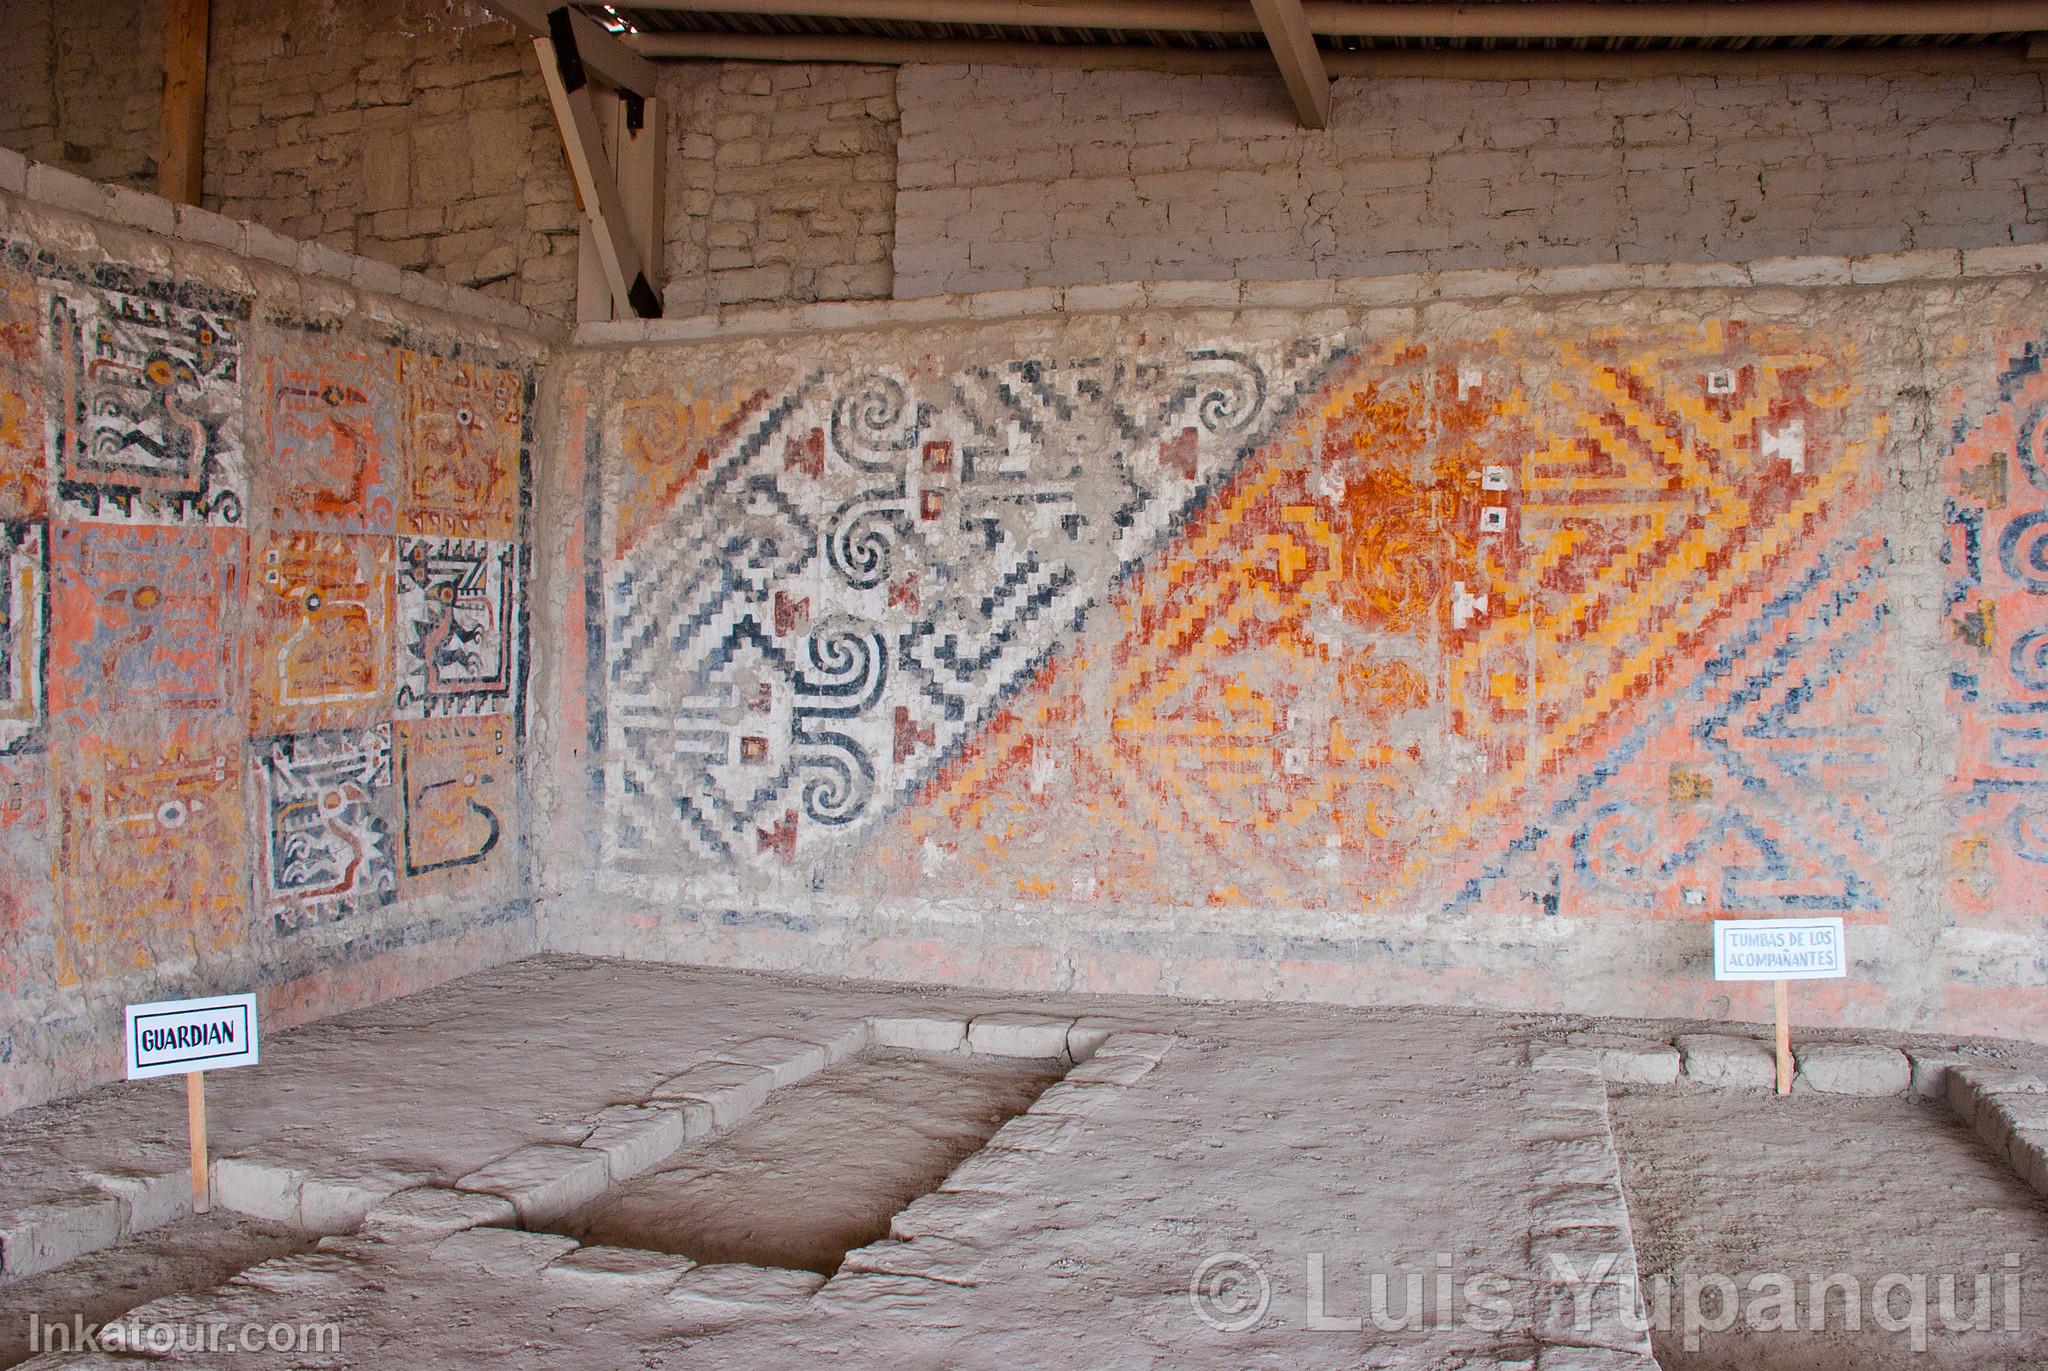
(1743, 1182)
(1304, 1138)
(780, 1192)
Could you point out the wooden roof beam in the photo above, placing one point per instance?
(1301, 64)
(584, 40)
(1529, 19)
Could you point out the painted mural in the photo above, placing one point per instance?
(146, 400)
(247, 566)
(1572, 625)
(1996, 560)
(329, 433)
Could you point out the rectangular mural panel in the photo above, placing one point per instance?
(24, 620)
(145, 619)
(152, 852)
(327, 846)
(458, 788)
(464, 425)
(146, 401)
(460, 629)
(322, 650)
(28, 952)
(330, 431)
(23, 482)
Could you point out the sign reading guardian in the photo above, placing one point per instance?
(1779, 949)
(172, 1037)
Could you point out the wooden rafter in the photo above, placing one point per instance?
(597, 186)
(601, 53)
(1301, 63)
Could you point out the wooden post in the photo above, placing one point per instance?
(195, 1129)
(182, 132)
(1781, 993)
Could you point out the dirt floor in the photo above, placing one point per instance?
(1741, 1183)
(194, 1253)
(1307, 1148)
(820, 1169)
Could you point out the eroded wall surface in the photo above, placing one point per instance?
(781, 183)
(1470, 652)
(417, 132)
(1010, 177)
(262, 640)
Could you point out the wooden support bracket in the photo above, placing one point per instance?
(1301, 62)
(622, 205)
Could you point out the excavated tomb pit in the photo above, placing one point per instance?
(822, 1166)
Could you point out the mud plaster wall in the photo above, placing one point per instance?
(262, 640)
(1011, 177)
(1477, 653)
(415, 132)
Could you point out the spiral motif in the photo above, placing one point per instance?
(870, 426)
(861, 542)
(840, 655)
(2024, 551)
(2029, 660)
(1229, 392)
(848, 661)
(841, 784)
(1609, 852)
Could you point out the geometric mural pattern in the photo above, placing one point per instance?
(146, 402)
(24, 609)
(208, 638)
(328, 422)
(1996, 559)
(145, 621)
(458, 626)
(462, 427)
(326, 825)
(457, 792)
(322, 630)
(816, 596)
(1583, 621)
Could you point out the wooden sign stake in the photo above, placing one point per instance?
(1782, 995)
(187, 1038)
(195, 1128)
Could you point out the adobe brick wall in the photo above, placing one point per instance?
(81, 87)
(782, 184)
(417, 132)
(1017, 177)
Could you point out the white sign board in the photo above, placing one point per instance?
(1779, 949)
(172, 1037)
